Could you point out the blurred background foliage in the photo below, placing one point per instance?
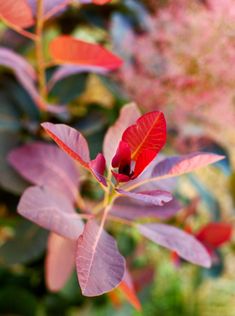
(150, 38)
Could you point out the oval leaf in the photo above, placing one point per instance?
(69, 50)
(175, 166)
(60, 261)
(51, 210)
(100, 267)
(185, 245)
(45, 164)
(155, 197)
(16, 12)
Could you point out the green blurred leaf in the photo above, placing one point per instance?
(28, 244)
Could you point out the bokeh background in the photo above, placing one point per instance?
(179, 57)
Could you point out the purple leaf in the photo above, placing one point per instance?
(175, 166)
(45, 164)
(51, 210)
(155, 197)
(128, 115)
(69, 140)
(185, 245)
(100, 267)
(51, 7)
(60, 261)
(75, 145)
(131, 210)
(68, 70)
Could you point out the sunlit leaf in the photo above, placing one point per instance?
(100, 267)
(60, 261)
(16, 12)
(68, 50)
(185, 245)
(51, 210)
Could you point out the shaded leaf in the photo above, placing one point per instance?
(27, 244)
(128, 209)
(66, 71)
(60, 261)
(45, 164)
(100, 267)
(16, 12)
(68, 50)
(51, 210)
(175, 166)
(155, 197)
(9, 179)
(185, 245)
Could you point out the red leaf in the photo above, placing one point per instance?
(175, 166)
(127, 288)
(51, 210)
(146, 138)
(101, 2)
(215, 234)
(60, 261)
(185, 245)
(16, 12)
(69, 50)
(36, 163)
(100, 267)
(128, 115)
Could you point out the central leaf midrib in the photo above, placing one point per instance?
(143, 141)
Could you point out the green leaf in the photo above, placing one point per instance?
(28, 244)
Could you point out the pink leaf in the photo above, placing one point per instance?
(45, 164)
(51, 210)
(131, 210)
(128, 115)
(185, 245)
(70, 140)
(155, 197)
(68, 50)
(60, 261)
(175, 166)
(75, 145)
(100, 267)
(16, 12)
